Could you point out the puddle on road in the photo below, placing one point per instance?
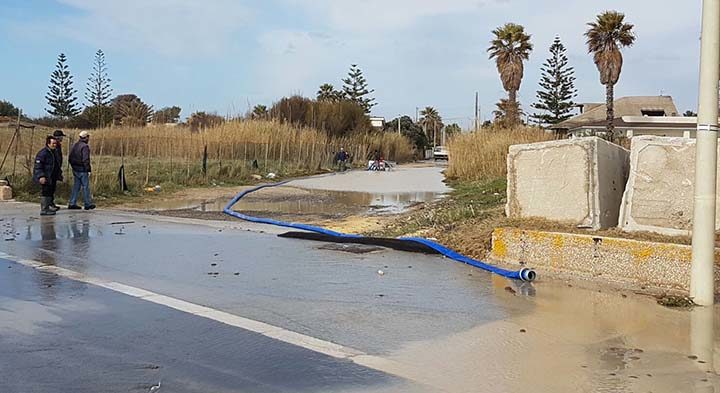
(319, 202)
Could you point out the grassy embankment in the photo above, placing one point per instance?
(172, 157)
(477, 172)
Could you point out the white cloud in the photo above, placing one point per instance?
(168, 27)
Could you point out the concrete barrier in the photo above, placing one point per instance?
(661, 267)
(579, 181)
(659, 194)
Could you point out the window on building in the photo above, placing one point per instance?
(652, 112)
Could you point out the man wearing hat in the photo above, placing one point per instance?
(79, 159)
(58, 135)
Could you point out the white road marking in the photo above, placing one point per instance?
(311, 343)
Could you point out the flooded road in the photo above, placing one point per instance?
(335, 195)
(115, 301)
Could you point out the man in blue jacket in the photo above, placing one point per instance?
(58, 134)
(79, 159)
(47, 172)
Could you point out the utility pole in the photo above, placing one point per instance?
(416, 114)
(399, 116)
(477, 111)
(702, 282)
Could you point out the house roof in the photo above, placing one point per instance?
(625, 106)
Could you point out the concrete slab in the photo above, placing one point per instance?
(580, 181)
(659, 194)
(657, 267)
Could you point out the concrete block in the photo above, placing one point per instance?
(659, 267)
(579, 181)
(5, 193)
(659, 194)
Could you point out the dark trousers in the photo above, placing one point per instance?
(48, 189)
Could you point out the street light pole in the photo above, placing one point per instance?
(702, 280)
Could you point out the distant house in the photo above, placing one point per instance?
(644, 115)
(377, 122)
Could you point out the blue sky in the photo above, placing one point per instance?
(225, 56)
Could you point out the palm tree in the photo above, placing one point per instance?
(510, 47)
(328, 93)
(505, 108)
(259, 112)
(431, 121)
(605, 37)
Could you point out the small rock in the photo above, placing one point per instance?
(380, 272)
(257, 177)
(624, 295)
(523, 331)
(237, 273)
(213, 264)
(409, 267)
(693, 357)
(380, 295)
(508, 289)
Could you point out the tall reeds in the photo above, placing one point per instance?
(482, 155)
(175, 155)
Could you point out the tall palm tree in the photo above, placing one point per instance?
(431, 122)
(510, 47)
(605, 37)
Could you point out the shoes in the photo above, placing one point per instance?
(53, 207)
(74, 207)
(90, 207)
(45, 209)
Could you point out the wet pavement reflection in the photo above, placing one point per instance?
(334, 203)
(447, 325)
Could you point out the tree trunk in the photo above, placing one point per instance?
(610, 111)
(512, 115)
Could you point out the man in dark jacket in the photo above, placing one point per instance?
(58, 135)
(47, 172)
(79, 160)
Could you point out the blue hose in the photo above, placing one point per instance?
(523, 274)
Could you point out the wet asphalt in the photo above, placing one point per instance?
(59, 334)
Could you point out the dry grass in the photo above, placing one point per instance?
(482, 155)
(173, 156)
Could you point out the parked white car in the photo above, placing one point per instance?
(441, 153)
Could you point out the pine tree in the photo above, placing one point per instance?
(61, 96)
(356, 89)
(557, 87)
(98, 90)
(98, 86)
